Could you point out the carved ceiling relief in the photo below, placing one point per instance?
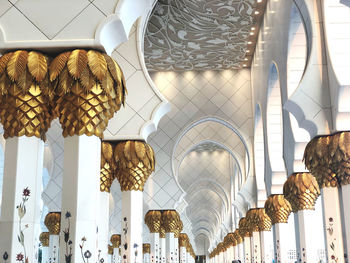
(198, 35)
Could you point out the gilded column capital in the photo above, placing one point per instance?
(107, 167)
(110, 250)
(301, 190)
(134, 164)
(25, 94)
(278, 209)
(44, 239)
(146, 248)
(258, 220)
(183, 239)
(230, 240)
(115, 240)
(170, 220)
(179, 227)
(221, 247)
(318, 160)
(340, 156)
(238, 237)
(162, 232)
(153, 220)
(90, 88)
(244, 228)
(53, 222)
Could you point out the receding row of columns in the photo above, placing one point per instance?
(167, 244)
(83, 89)
(327, 158)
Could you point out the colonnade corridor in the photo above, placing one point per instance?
(174, 131)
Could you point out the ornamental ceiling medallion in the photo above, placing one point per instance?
(198, 35)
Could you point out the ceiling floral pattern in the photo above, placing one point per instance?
(198, 34)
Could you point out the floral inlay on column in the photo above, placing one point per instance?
(21, 208)
(67, 241)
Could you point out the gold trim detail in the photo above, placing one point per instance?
(53, 222)
(162, 232)
(170, 219)
(244, 228)
(110, 250)
(230, 240)
(25, 94)
(238, 237)
(153, 220)
(183, 240)
(134, 164)
(107, 167)
(115, 240)
(179, 228)
(90, 88)
(317, 158)
(258, 220)
(44, 239)
(301, 190)
(146, 248)
(340, 154)
(278, 209)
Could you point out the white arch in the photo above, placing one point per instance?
(259, 156)
(274, 128)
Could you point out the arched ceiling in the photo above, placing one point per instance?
(200, 145)
(205, 141)
(196, 35)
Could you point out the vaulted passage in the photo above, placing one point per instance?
(177, 131)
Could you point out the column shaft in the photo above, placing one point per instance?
(103, 224)
(146, 258)
(176, 250)
(345, 194)
(116, 256)
(333, 224)
(183, 255)
(162, 250)
(170, 247)
(256, 247)
(132, 219)
(21, 198)
(45, 255)
(154, 241)
(247, 250)
(80, 198)
(266, 240)
(54, 250)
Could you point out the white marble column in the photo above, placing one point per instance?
(162, 250)
(21, 198)
(333, 224)
(80, 190)
(132, 210)
(247, 250)
(308, 244)
(266, 239)
(176, 249)
(146, 258)
(170, 247)
(103, 224)
(256, 247)
(284, 240)
(154, 240)
(116, 256)
(183, 254)
(345, 195)
(54, 248)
